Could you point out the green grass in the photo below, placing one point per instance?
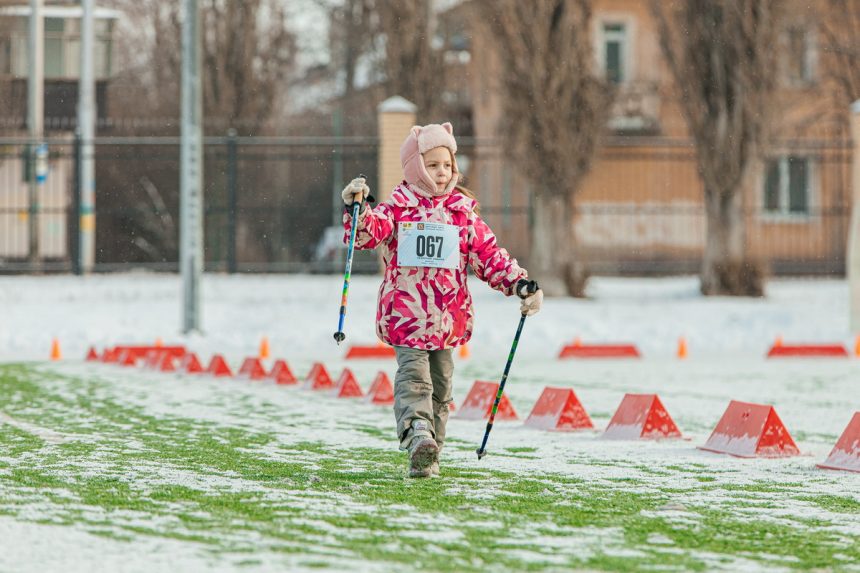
(228, 489)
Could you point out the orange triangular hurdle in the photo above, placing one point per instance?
(559, 409)
(92, 355)
(751, 430)
(152, 359)
(190, 364)
(110, 355)
(218, 367)
(378, 351)
(781, 350)
(119, 357)
(318, 378)
(580, 350)
(381, 391)
(281, 373)
(166, 363)
(252, 369)
(347, 386)
(128, 358)
(641, 416)
(479, 403)
(846, 454)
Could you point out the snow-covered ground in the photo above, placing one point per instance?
(727, 341)
(727, 337)
(299, 315)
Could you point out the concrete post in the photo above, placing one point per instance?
(853, 262)
(86, 125)
(191, 168)
(396, 117)
(35, 119)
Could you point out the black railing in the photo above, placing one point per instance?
(272, 205)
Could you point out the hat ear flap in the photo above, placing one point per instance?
(448, 127)
(416, 129)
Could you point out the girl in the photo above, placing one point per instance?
(428, 231)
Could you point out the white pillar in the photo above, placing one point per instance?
(853, 262)
(396, 117)
(86, 125)
(35, 115)
(191, 169)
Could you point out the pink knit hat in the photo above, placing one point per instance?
(419, 141)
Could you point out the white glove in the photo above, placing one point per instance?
(357, 190)
(531, 301)
(531, 304)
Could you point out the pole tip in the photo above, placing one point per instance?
(481, 453)
(339, 337)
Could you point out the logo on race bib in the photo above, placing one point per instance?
(420, 226)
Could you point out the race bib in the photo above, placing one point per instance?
(422, 244)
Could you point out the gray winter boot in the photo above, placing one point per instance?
(434, 467)
(422, 449)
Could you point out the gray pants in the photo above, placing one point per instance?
(422, 389)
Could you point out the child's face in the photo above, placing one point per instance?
(440, 166)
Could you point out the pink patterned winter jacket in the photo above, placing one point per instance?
(424, 307)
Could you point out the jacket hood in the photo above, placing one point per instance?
(422, 139)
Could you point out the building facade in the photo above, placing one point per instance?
(640, 209)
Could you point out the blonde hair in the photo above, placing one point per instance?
(471, 195)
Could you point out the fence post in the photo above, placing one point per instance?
(232, 182)
(854, 235)
(76, 240)
(337, 168)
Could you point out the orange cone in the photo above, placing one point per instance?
(857, 347)
(577, 342)
(158, 343)
(464, 351)
(56, 354)
(778, 342)
(682, 348)
(264, 348)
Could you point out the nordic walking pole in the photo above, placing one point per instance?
(356, 209)
(530, 288)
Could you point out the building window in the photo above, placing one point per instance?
(787, 186)
(62, 49)
(614, 51)
(799, 56)
(55, 48)
(5, 56)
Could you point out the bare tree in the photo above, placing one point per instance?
(722, 57)
(413, 67)
(555, 109)
(350, 22)
(841, 48)
(248, 53)
(247, 59)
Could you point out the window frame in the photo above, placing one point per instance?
(783, 214)
(810, 55)
(628, 22)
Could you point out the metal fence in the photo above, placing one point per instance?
(273, 205)
(270, 204)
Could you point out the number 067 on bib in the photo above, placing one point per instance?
(422, 244)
